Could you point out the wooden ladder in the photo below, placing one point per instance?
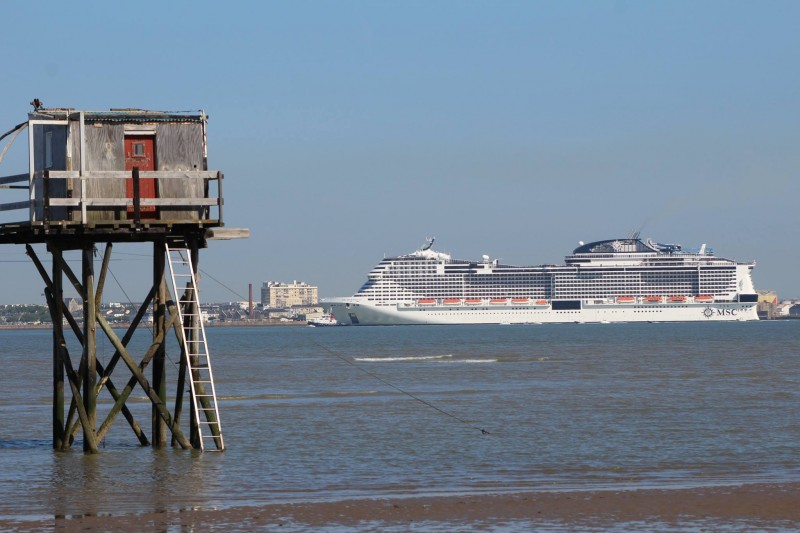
(195, 347)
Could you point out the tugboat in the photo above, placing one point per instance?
(324, 320)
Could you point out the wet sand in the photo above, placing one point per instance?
(757, 506)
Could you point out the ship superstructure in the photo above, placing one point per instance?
(616, 280)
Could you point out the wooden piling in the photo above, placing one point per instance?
(89, 357)
(57, 315)
(159, 331)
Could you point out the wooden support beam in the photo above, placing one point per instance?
(58, 331)
(89, 351)
(101, 281)
(16, 178)
(88, 380)
(159, 369)
(129, 333)
(136, 371)
(109, 385)
(89, 446)
(182, 367)
(67, 362)
(126, 391)
(56, 306)
(57, 313)
(72, 428)
(74, 384)
(116, 394)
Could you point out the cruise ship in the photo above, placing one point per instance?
(615, 280)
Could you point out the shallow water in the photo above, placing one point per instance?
(333, 413)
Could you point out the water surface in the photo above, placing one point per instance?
(333, 413)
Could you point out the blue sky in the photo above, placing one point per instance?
(348, 130)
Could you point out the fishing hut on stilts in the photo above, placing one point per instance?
(99, 180)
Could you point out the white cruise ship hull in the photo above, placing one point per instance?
(366, 314)
(614, 280)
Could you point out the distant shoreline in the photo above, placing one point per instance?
(248, 324)
(125, 325)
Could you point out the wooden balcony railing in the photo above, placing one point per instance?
(105, 196)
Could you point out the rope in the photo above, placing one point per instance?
(173, 362)
(125, 293)
(398, 389)
(218, 281)
(371, 374)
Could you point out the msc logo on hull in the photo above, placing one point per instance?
(708, 312)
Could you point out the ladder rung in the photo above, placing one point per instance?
(184, 285)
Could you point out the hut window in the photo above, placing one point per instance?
(48, 149)
(138, 149)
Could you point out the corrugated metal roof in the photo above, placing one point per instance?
(119, 115)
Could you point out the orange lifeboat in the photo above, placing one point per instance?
(703, 298)
(653, 299)
(498, 300)
(625, 299)
(473, 301)
(541, 302)
(452, 301)
(426, 301)
(520, 300)
(677, 298)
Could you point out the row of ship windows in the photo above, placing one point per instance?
(462, 270)
(563, 283)
(560, 277)
(415, 287)
(545, 286)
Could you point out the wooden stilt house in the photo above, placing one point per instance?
(106, 177)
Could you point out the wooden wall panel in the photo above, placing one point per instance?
(105, 151)
(179, 147)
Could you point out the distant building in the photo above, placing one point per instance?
(74, 306)
(276, 314)
(767, 304)
(284, 295)
(767, 296)
(304, 311)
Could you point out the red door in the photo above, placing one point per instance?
(140, 152)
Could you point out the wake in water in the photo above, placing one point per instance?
(447, 359)
(396, 359)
